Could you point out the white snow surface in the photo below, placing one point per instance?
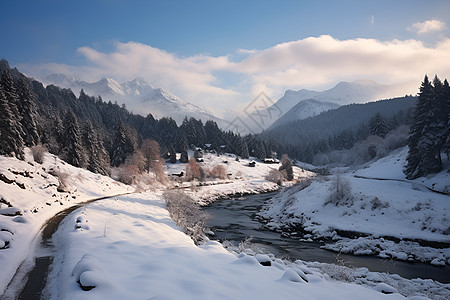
(133, 250)
(38, 201)
(127, 247)
(396, 207)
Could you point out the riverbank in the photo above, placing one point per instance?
(387, 218)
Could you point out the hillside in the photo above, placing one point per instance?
(343, 93)
(373, 210)
(348, 117)
(303, 110)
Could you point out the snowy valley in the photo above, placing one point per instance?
(128, 246)
(99, 203)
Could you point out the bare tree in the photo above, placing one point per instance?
(152, 153)
(218, 171)
(286, 167)
(275, 176)
(38, 152)
(192, 170)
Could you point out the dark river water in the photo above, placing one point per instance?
(232, 220)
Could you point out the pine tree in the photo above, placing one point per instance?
(244, 149)
(10, 127)
(260, 151)
(172, 154)
(446, 129)
(184, 158)
(122, 146)
(97, 157)
(422, 158)
(29, 114)
(377, 126)
(11, 140)
(73, 151)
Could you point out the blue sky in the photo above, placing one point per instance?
(222, 48)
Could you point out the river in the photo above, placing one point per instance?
(232, 220)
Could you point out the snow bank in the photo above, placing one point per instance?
(29, 196)
(383, 217)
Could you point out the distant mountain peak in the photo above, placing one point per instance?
(138, 95)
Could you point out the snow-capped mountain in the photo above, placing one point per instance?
(138, 95)
(304, 109)
(359, 91)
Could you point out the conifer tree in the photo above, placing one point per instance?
(73, 151)
(446, 129)
(377, 126)
(122, 146)
(172, 154)
(244, 149)
(423, 156)
(28, 109)
(10, 135)
(97, 157)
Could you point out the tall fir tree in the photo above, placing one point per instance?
(378, 126)
(73, 151)
(97, 157)
(122, 145)
(10, 135)
(446, 130)
(422, 157)
(28, 110)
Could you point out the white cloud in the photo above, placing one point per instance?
(427, 26)
(314, 62)
(372, 20)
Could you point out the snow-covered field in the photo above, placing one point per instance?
(390, 216)
(31, 198)
(241, 180)
(127, 247)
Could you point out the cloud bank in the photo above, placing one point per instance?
(313, 62)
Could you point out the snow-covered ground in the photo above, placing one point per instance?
(389, 216)
(241, 180)
(127, 247)
(31, 198)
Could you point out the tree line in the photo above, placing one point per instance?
(89, 132)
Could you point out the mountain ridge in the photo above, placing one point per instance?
(138, 95)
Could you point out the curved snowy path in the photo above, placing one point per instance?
(31, 277)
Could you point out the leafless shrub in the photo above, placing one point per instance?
(275, 176)
(378, 204)
(192, 170)
(138, 160)
(187, 214)
(341, 192)
(128, 174)
(218, 171)
(286, 168)
(63, 180)
(158, 168)
(38, 152)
